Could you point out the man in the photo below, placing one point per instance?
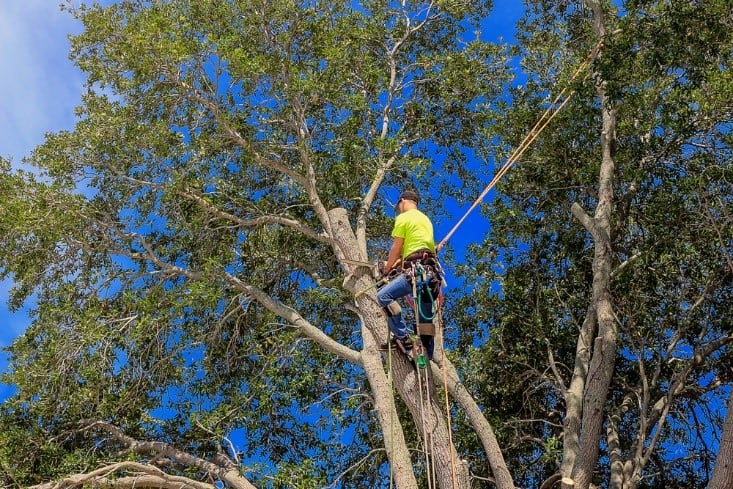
(413, 251)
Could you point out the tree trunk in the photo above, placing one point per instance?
(482, 427)
(723, 472)
(590, 413)
(603, 356)
(574, 395)
(440, 456)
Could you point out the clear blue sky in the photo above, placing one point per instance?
(41, 88)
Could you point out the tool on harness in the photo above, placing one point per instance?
(421, 361)
(426, 329)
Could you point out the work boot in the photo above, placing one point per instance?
(401, 344)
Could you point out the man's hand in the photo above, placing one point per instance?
(382, 267)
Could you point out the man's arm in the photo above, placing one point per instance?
(395, 254)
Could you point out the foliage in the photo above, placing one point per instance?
(211, 138)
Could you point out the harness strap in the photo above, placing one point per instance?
(426, 329)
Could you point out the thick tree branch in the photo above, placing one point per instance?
(583, 218)
(224, 469)
(145, 476)
(291, 316)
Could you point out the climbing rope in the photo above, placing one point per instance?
(449, 422)
(536, 130)
(390, 458)
(418, 350)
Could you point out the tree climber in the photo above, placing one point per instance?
(412, 258)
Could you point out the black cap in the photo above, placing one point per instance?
(410, 195)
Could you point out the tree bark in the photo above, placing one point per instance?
(723, 472)
(583, 447)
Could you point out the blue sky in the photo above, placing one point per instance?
(40, 88)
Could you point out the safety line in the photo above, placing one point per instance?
(417, 350)
(447, 405)
(390, 457)
(539, 126)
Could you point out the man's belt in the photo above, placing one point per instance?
(419, 255)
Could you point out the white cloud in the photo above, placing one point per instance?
(40, 87)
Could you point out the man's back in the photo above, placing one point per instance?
(416, 230)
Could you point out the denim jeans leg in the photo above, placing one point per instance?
(396, 289)
(428, 342)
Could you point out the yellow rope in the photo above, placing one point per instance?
(539, 126)
(391, 413)
(432, 445)
(447, 405)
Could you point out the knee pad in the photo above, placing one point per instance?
(392, 309)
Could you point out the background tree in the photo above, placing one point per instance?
(648, 150)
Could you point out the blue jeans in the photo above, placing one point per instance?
(399, 287)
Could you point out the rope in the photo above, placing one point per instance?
(447, 409)
(418, 348)
(392, 411)
(432, 440)
(539, 126)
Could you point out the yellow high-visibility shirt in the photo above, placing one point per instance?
(416, 229)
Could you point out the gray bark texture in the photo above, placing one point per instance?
(723, 472)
